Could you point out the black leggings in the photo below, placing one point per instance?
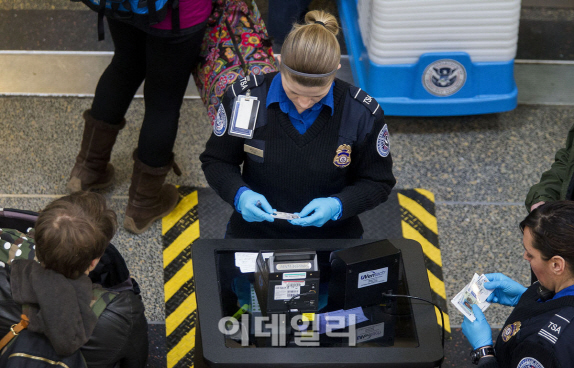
(166, 64)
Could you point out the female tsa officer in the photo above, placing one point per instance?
(538, 333)
(309, 143)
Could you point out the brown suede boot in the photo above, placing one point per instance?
(149, 198)
(92, 169)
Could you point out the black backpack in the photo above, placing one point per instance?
(140, 13)
(33, 350)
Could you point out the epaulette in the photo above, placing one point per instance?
(243, 84)
(368, 101)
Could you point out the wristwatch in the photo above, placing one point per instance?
(475, 355)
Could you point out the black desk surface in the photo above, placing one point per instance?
(210, 343)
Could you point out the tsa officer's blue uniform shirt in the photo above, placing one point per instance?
(302, 121)
(566, 291)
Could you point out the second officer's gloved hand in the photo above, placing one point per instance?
(254, 207)
(478, 333)
(317, 212)
(506, 290)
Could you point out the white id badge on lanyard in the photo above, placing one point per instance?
(244, 116)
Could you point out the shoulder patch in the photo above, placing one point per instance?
(220, 124)
(383, 143)
(368, 101)
(557, 324)
(529, 362)
(243, 84)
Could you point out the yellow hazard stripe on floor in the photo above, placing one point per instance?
(177, 281)
(446, 320)
(436, 285)
(419, 212)
(426, 234)
(179, 211)
(426, 193)
(428, 248)
(180, 244)
(180, 229)
(184, 346)
(180, 314)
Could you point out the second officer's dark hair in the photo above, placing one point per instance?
(552, 229)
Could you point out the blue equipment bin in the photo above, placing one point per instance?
(443, 83)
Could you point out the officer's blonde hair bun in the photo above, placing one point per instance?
(312, 48)
(328, 20)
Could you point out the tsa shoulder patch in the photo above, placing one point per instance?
(243, 84)
(383, 143)
(367, 101)
(557, 324)
(220, 124)
(529, 362)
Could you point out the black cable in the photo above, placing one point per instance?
(301, 294)
(424, 300)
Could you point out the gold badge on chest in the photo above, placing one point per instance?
(343, 156)
(510, 330)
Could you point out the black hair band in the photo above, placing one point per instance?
(321, 23)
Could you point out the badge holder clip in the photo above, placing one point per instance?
(244, 115)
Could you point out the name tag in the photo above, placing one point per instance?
(254, 151)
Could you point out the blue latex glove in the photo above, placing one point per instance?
(506, 290)
(478, 333)
(254, 207)
(317, 212)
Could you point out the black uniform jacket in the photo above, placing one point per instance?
(536, 335)
(344, 155)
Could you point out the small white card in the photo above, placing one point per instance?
(284, 216)
(473, 293)
(246, 261)
(244, 114)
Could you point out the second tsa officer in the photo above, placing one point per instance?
(310, 144)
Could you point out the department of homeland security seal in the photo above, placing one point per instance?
(220, 124)
(510, 330)
(529, 363)
(383, 143)
(343, 156)
(444, 77)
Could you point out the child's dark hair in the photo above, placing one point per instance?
(72, 231)
(552, 229)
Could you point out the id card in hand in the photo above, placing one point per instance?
(473, 293)
(284, 216)
(244, 116)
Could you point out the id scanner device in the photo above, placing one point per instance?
(361, 274)
(287, 280)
